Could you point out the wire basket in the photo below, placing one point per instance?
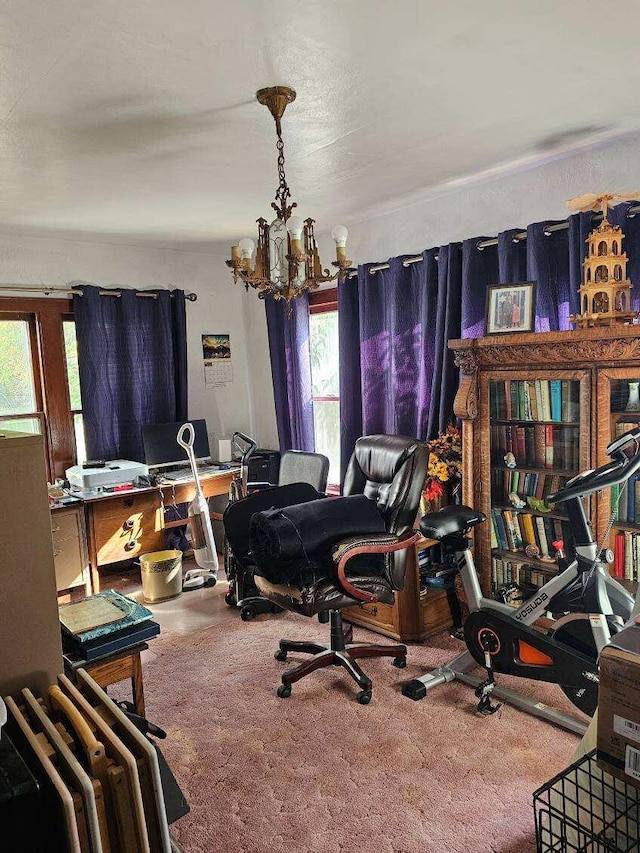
(585, 809)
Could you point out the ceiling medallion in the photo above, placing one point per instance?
(286, 262)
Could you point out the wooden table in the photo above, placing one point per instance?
(113, 668)
(124, 525)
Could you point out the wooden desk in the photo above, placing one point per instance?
(123, 525)
(114, 668)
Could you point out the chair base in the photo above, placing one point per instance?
(339, 652)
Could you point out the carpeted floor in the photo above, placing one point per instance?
(319, 773)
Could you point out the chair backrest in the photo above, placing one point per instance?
(391, 470)
(299, 466)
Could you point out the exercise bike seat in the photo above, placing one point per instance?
(450, 520)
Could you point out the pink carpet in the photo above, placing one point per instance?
(320, 773)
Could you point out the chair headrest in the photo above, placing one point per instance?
(390, 470)
(380, 457)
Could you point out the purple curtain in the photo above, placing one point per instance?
(396, 372)
(395, 376)
(291, 372)
(132, 358)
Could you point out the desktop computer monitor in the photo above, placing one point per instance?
(161, 448)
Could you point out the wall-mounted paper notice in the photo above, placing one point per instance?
(218, 367)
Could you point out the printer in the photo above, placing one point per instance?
(111, 474)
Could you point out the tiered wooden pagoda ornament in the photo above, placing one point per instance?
(605, 292)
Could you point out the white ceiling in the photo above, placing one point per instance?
(136, 118)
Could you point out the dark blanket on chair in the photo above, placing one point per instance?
(293, 545)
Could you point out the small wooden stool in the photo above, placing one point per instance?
(116, 667)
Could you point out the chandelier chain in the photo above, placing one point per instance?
(283, 193)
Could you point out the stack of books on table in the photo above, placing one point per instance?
(104, 624)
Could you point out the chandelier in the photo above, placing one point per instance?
(286, 262)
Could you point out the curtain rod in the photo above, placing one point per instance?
(485, 244)
(26, 288)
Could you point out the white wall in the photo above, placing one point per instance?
(220, 307)
(482, 206)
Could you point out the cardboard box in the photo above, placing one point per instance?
(618, 751)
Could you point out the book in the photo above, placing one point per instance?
(97, 615)
(555, 392)
(548, 437)
(546, 400)
(542, 536)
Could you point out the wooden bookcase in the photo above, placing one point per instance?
(590, 370)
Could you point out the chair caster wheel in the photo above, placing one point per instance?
(280, 655)
(230, 599)
(248, 613)
(364, 697)
(400, 663)
(276, 609)
(284, 691)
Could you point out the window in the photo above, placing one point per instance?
(39, 382)
(325, 385)
(73, 380)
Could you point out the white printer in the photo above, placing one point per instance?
(114, 472)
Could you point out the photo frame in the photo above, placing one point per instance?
(510, 308)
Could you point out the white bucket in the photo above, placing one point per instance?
(161, 575)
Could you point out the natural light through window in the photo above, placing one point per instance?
(17, 383)
(73, 378)
(326, 388)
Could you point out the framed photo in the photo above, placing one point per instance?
(511, 308)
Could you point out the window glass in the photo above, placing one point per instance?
(325, 385)
(22, 424)
(326, 422)
(17, 386)
(78, 428)
(71, 353)
(323, 329)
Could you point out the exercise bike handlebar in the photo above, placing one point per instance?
(623, 465)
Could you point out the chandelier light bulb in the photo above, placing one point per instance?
(294, 227)
(339, 234)
(246, 246)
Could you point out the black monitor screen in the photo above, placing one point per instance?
(161, 447)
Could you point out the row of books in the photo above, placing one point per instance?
(626, 552)
(513, 530)
(511, 571)
(626, 501)
(534, 400)
(538, 446)
(524, 483)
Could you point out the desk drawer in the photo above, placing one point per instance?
(125, 538)
(125, 505)
(69, 550)
(65, 524)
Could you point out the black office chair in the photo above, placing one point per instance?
(308, 472)
(391, 471)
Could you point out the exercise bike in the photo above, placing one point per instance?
(586, 604)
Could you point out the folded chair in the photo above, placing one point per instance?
(389, 470)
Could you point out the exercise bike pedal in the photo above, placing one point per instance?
(483, 692)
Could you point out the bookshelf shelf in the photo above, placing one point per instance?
(528, 511)
(525, 422)
(531, 470)
(521, 557)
